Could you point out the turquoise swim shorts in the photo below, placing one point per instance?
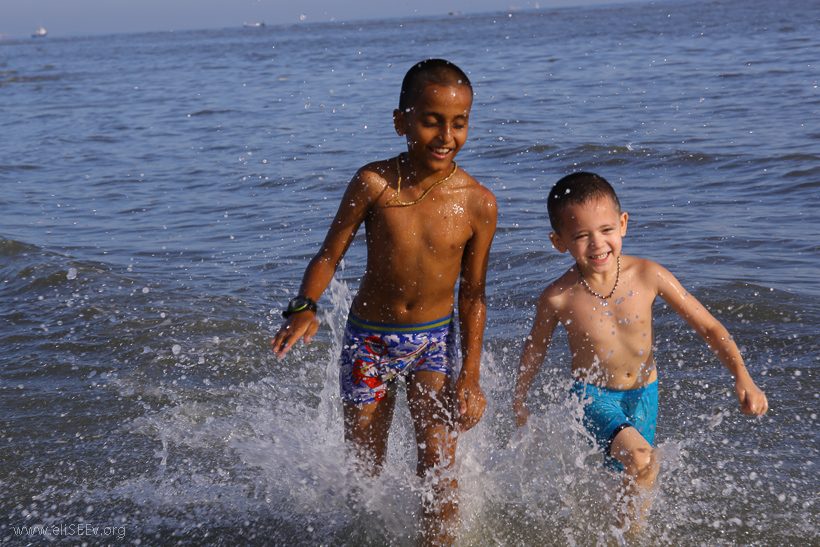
(607, 412)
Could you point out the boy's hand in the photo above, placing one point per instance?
(752, 399)
(299, 325)
(470, 400)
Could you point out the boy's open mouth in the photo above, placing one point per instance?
(441, 152)
(601, 257)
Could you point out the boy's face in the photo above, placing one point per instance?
(436, 125)
(592, 234)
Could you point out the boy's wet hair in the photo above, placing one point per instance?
(431, 71)
(575, 189)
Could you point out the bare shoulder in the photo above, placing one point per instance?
(646, 274)
(376, 173)
(556, 295)
(481, 199)
(371, 180)
(640, 266)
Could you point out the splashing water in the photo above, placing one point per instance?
(209, 436)
(268, 457)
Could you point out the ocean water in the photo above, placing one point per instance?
(161, 194)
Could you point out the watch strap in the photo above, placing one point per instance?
(299, 304)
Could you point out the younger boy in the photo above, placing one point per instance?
(605, 304)
(428, 225)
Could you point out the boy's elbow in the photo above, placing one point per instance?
(470, 292)
(718, 334)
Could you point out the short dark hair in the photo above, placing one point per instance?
(575, 189)
(431, 71)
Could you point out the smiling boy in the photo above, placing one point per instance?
(605, 303)
(428, 226)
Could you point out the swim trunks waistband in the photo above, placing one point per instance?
(592, 389)
(387, 328)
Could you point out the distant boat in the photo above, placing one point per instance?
(39, 32)
(253, 25)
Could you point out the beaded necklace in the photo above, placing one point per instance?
(607, 297)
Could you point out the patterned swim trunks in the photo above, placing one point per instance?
(375, 355)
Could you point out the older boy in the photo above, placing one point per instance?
(428, 224)
(605, 304)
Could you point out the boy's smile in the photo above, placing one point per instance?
(435, 127)
(592, 233)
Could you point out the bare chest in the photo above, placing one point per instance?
(435, 227)
(623, 319)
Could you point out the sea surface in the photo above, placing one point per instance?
(161, 194)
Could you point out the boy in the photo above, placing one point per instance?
(605, 304)
(428, 225)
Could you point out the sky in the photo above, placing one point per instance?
(20, 18)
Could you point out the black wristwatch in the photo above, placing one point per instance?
(299, 303)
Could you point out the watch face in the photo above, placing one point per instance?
(297, 304)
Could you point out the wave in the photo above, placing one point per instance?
(19, 167)
(29, 79)
(210, 112)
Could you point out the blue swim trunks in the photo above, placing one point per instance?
(375, 355)
(607, 412)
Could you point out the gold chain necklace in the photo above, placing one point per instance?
(607, 297)
(395, 199)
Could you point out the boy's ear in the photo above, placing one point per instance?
(623, 219)
(399, 122)
(557, 243)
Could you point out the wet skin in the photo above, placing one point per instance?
(611, 339)
(415, 256)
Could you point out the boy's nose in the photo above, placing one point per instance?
(445, 133)
(595, 241)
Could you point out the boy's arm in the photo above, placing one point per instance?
(532, 356)
(752, 399)
(472, 312)
(352, 211)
